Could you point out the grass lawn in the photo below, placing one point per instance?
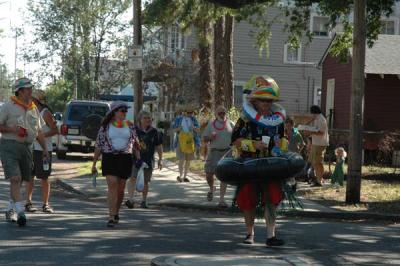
(85, 170)
(381, 196)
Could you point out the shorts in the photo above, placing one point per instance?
(38, 170)
(317, 154)
(148, 173)
(247, 197)
(119, 165)
(16, 159)
(213, 157)
(184, 156)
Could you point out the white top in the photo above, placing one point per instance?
(45, 129)
(321, 125)
(119, 137)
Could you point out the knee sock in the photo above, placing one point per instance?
(19, 207)
(11, 205)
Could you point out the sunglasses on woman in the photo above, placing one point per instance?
(123, 110)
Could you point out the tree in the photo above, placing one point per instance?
(79, 33)
(58, 94)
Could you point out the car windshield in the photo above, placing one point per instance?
(80, 112)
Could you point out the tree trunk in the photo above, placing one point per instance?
(219, 61)
(353, 186)
(205, 67)
(228, 64)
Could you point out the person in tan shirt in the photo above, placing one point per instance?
(20, 125)
(319, 143)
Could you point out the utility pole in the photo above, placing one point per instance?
(357, 103)
(137, 74)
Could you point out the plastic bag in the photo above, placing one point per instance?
(140, 178)
(186, 142)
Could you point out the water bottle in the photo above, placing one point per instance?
(94, 180)
(46, 165)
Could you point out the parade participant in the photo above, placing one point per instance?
(116, 142)
(150, 140)
(187, 129)
(20, 125)
(258, 134)
(49, 130)
(320, 140)
(296, 142)
(218, 134)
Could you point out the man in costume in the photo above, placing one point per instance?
(259, 133)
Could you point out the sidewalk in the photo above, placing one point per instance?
(166, 191)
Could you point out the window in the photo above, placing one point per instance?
(388, 27)
(176, 39)
(291, 55)
(319, 26)
(238, 95)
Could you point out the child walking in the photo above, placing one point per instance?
(338, 174)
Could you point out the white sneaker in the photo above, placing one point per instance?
(11, 216)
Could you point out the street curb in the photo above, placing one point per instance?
(214, 260)
(336, 215)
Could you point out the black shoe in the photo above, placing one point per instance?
(116, 219)
(29, 207)
(21, 221)
(111, 223)
(316, 184)
(249, 240)
(129, 204)
(144, 205)
(274, 242)
(186, 180)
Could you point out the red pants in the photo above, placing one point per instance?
(247, 197)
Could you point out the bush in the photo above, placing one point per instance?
(389, 143)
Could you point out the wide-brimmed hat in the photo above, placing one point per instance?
(116, 105)
(39, 95)
(22, 83)
(262, 87)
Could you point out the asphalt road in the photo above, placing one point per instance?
(77, 234)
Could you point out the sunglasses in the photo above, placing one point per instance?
(265, 100)
(124, 110)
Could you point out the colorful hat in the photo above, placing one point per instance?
(116, 105)
(22, 83)
(262, 87)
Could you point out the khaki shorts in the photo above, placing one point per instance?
(17, 159)
(148, 173)
(317, 154)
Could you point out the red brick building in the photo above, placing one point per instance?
(382, 87)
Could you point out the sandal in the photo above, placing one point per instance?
(116, 219)
(29, 207)
(47, 209)
(210, 196)
(179, 179)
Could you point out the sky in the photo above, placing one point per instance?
(11, 15)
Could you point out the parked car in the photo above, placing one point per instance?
(80, 125)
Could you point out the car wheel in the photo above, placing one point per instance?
(62, 155)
